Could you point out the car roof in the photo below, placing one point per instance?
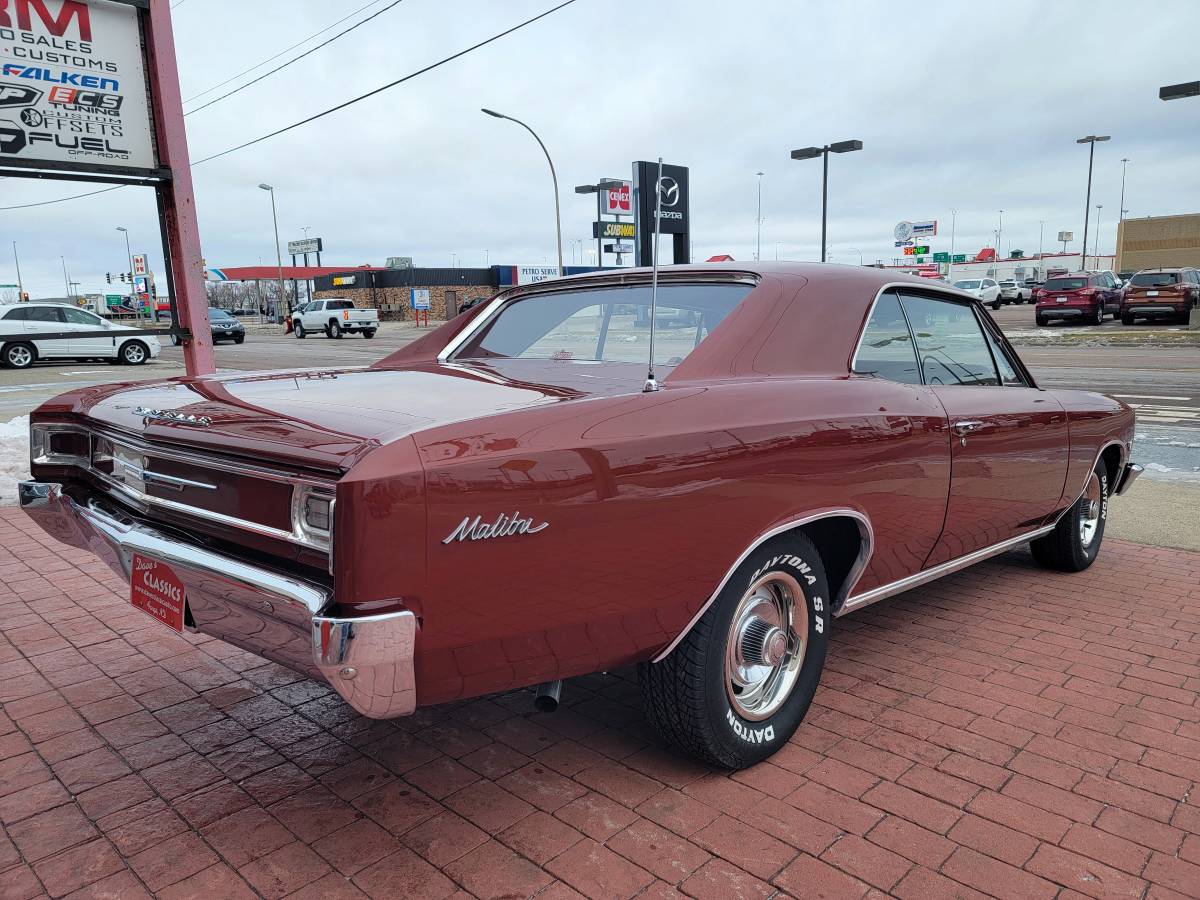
(799, 318)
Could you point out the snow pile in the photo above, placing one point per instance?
(14, 457)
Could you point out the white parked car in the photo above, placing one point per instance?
(21, 323)
(986, 289)
(1013, 290)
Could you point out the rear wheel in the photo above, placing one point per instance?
(996, 303)
(333, 330)
(1041, 320)
(369, 333)
(741, 680)
(1098, 316)
(1074, 543)
(18, 356)
(134, 353)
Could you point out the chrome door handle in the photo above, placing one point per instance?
(965, 427)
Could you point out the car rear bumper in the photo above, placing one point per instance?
(367, 659)
(1063, 312)
(1157, 309)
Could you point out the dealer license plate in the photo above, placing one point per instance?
(1061, 299)
(157, 591)
(1151, 293)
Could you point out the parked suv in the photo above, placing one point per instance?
(985, 289)
(1159, 294)
(224, 327)
(1014, 291)
(1079, 296)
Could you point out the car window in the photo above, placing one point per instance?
(967, 285)
(610, 324)
(339, 304)
(44, 314)
(79, 317)
(1155, 279)
(1008, 372)
(1065, 284)
(886, 347)
(17, 315)
(950, 345)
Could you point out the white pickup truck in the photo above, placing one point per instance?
(335, 317)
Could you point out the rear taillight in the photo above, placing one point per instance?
(346, 315)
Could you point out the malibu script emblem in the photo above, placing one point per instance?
(505, 525)
(170, 415)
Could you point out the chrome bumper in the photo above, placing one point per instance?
(1128, 476)
(368, 660)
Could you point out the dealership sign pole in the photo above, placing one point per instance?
(108, 110)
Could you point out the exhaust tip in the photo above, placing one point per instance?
(546, 696)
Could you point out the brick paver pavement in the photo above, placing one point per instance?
(1006, 731)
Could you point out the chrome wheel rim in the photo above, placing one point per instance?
(135, 354)
(1093, 502)
(19, 357)
(765, 646)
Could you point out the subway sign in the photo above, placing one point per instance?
(613, 230)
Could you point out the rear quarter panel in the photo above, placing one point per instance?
(649, 499)
(1095, 421)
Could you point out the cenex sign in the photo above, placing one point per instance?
(83, 103)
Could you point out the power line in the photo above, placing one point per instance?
(320, 115)
(279, 54)
(242, 87)
(392, 84)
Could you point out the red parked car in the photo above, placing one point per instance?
(1161, 294)
(1079, 296)
(508, 501)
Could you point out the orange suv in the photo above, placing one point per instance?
(1161, 294)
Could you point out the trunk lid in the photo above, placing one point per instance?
(326, 418)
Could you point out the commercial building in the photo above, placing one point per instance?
(1166, 241)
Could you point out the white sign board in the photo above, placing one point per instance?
(419, 298)
(73, 85)
(924, 229)
(139, 264)
(618, 201)
(534, 274)
(308, 245)
(1066, 235)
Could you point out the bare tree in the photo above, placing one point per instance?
(9, 295)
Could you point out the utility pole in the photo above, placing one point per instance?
(66, 278)
(1121, 217)
(953, 223)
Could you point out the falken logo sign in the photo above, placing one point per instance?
(60, 77)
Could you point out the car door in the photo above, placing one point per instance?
(47, 320)
(1009, 439)
(104, 346)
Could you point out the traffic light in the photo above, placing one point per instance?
(108, 277)
(122, 277)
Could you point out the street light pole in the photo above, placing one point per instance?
(1041, 233)
(553, 177)
(953, 223)
(1121, 213)
(758, 221)
(66, 278)
(823, 152)
(279, 307)
(1091, 141)
(20, 283)
(1096, 244)
(1000, 232)
(129, 259)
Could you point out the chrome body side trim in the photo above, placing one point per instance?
(1088, 473)
(865, 549)
(924, 577)
(291, 621)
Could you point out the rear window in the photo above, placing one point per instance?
(1065, 284)
(1155, 279)
(339, 304)
(610, 324)
(967, 285)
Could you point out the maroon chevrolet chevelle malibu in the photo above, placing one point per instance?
(503, 503)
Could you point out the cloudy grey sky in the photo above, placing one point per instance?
(959, 107)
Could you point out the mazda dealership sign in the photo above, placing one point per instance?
(73, 85)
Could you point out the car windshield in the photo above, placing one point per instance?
(967, 285)
(610, 324)
(1066, 284)
(1155, 279)
(218, 314)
